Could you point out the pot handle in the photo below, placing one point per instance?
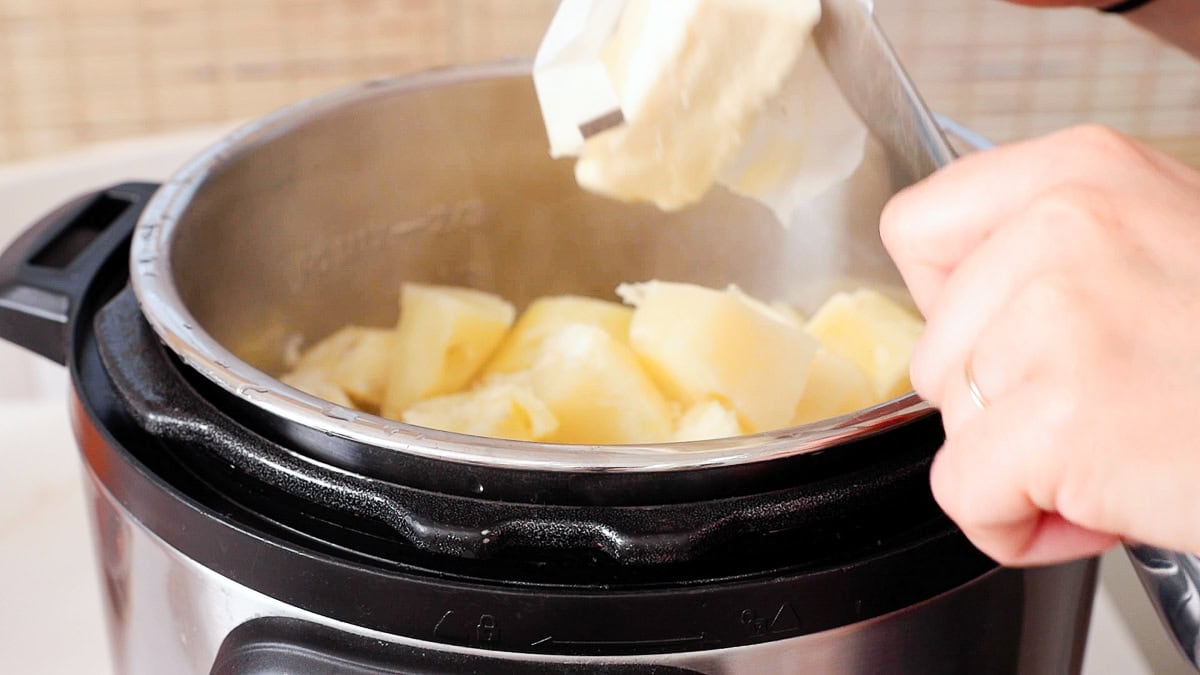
(278, 644)
(46, 272)
(1172, 580)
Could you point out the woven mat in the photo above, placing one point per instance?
(73, 72)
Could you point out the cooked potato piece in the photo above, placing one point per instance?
(686, 363)
(316, 382)
(501, 408)
(329, 352)
(835, 387)
(874, 333)
(544, 316)
(788, 313)
(707, 420)
(444, 336)
(701, 344)
(597, 390)
(364, 372)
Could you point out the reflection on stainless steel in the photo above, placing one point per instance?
(1032, 622)
(1172, 580)
(311, 219)
(877, 87)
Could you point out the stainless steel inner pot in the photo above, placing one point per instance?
(311, 218)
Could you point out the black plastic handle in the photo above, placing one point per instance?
(47, 271)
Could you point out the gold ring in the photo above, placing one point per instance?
(976, 394)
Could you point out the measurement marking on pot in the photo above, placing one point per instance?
(754, 624)
(341, 251)
(486, 630)
(786, 619)
(437, 628)
(687, 639)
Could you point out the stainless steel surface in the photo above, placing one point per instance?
(1172, 580)
(167, 614)
(312, 218)
(876, 85)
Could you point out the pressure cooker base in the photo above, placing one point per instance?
(169, 614)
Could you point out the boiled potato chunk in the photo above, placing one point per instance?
(444, 337)
(328, 353)
(874, 333)
(317, 382)
(339, 366)
(597, 390)
(788, 314)
(701, 344)
(705, 421)
(497, 409)
(363, 373)
(835, 387)
(776, 310)
(520, 349)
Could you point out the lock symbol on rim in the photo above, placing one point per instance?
(754, 624)
(486, 630)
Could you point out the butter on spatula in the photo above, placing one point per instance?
(659, 101)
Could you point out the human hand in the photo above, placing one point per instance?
(1065, 271)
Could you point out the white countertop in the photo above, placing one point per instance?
(49, 589)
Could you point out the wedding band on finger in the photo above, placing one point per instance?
(973, 387)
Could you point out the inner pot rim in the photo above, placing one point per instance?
(152, 279)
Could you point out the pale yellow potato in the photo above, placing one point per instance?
(330, 351)
(363, 372)
(788, 313)
(687, 363)
(351, 361)
(444, 337)
(597, 390)
(701, 344)
(317, 382)
(705, 421)
(520, 349)
(505, 408)
(835, 387)
(874, 333)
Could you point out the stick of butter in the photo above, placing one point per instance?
(707, 91)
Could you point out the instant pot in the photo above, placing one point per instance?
(246, 527)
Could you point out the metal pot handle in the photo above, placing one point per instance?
(1172, 580)
(47, 271)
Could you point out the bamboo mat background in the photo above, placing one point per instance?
(76, 72)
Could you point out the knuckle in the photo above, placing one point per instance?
(1070, 337)
(1094, 140)
(1080, 498)
(895, 219)
(923, 368)
(1075, 219)
(1047, 298)
(1062, 410)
